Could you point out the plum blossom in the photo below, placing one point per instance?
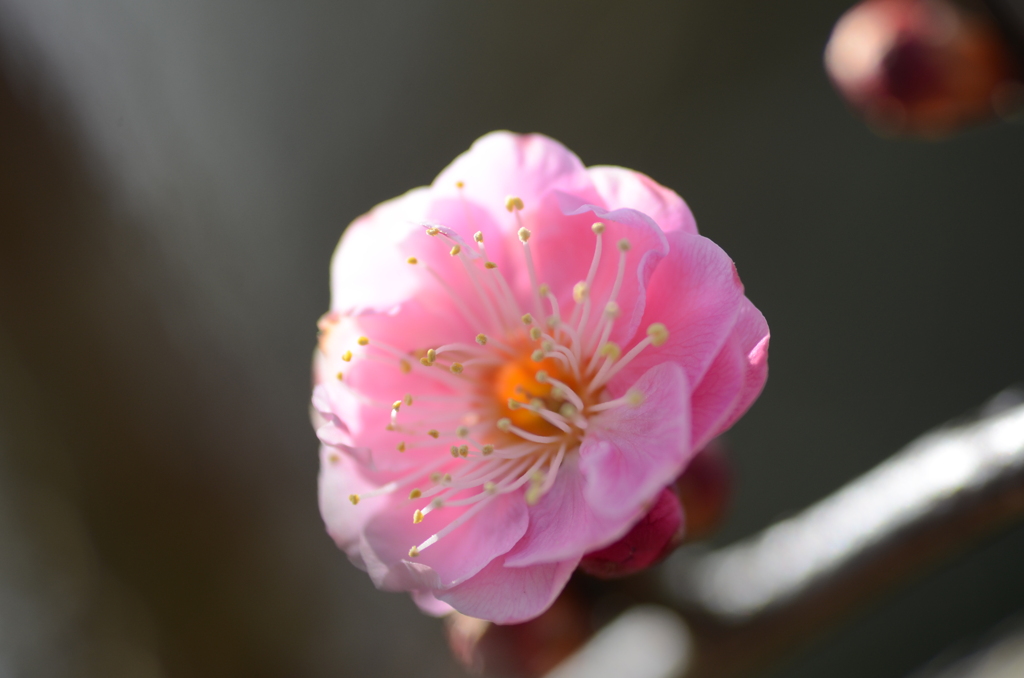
(516, 361)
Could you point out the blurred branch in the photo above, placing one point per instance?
(747, 604)
(752, 601)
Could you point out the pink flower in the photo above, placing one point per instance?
(517, 360)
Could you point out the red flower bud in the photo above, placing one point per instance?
(688, 509)
(925, 67)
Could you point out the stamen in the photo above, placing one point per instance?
(347, 356)
(481, 339)
(412, 260)
(455, 250)
(513, 203)
(363, 341)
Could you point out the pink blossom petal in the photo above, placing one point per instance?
(456, 557)
(428, 604)
(696, 294)
(509, 595)
(718, 393)
(620, 187)
(563, 525)
(752, 335)
(631, 452)
(368, 270)
(339, 478)
(500, 164)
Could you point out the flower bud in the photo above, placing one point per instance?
(686, 510)
(650, 540)
(924, 67)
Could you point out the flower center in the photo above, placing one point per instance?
(522, 398)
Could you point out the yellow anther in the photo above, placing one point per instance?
(553, 322)
(490, 487)
(658, 334)
(333, 458)
(611, 309)
(454, 450)
(417, 517)
(544, 289)
(527, 319)
(541, 376)
(460, 184)
(524, 234)
(413, 552)
(347, 356)
(407, 399)
(456, 368)
(415, 494)
(537, 356)
(481, 339)
(463, 451)
(341, 376)
(533, 494)
(478, 236)
(487, 450)
(354, 498)
(446, 478)
(580, 291)
(425, 362)
(431, 355)
(536, 404)
(513, 203)
(557, 394)
(461, 432)
(535, 333)
(404, 366)
(395, 405)
(434, 433)
(623, 245)
(363, 341)
(567, 410)
(490, 264)
(611, 350)
(435, 478)
(635, 398)
(504, 424)
(455, 250)
(433, 230)
(389, 427)
(412, 260)
(401, 446)
(513, 404)
(598, 227)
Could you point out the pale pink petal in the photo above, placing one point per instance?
(752, 335)
(631, 452)
(368, 270)
(620, 187)
(564, 526)
(696, 294)
(718, 392)
(509, 595)
(459, 555)
(428, 604)
(500, 164)
(339, 478)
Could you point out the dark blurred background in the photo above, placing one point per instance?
(174, 177)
